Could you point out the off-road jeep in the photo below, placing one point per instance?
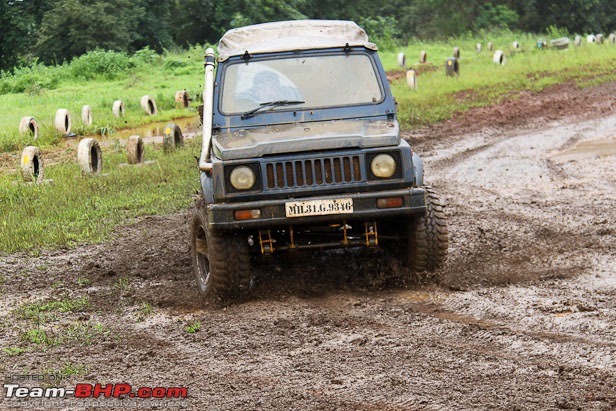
(302, 151)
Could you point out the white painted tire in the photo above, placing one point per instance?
(148, 105)
(62, 121)
(402, 60)
(456, 52)
(29, 125)
(490, 46)
(411, 79)
(516, 45)
(423, 57)
(590, 38)
(599, 39)
(578, 41)
(172, 137)
(499, 58)
(478, 47)
(181, 99)
(32, 165)
(90, 156)
(118, 108)
(612, 38)
(135, 150)
(86, 115)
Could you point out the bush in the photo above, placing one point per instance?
(382, 31)
(33, 79)
(98, 63)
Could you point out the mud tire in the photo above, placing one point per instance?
(181, 99)
(28, 125)
(62, 121)
(86, 115)
(90, 156)
(428, 239)
(221, 262)
(148, 105)
(118, 108)
(135, 150)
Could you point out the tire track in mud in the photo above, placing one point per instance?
(524, 318)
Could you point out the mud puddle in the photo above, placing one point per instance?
(586, 150)
(151, 133)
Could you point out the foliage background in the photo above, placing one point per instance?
(57, 31)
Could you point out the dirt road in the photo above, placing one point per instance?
(524, 317)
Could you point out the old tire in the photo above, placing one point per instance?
(411, 79)
(118, 108)
(62, 121)
(135, 150)
(402, 60)
(29, 125)
(423, 57)
(456, 52)
(32, 165)
(221, 262)
(86, 115)
(172, 137)
(428, 239)
(148, 105)
(499, 58)
(181, 99)
(90, 156)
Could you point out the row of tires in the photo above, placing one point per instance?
(499, 54)
(90, 154)
(62, 120)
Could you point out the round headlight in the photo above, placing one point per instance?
(383, 166)
(242, 178)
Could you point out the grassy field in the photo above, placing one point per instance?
(76, 209)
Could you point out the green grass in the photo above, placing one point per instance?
(192, 327)
(481, 82)
(159, 77)
(77, 209)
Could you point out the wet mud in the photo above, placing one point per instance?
(522, 317)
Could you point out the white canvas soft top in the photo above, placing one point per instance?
(291, 35)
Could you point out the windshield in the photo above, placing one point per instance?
(319, 81)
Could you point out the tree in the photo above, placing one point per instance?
(19, 21)
(73, 27)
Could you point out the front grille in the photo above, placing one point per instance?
(321, 171)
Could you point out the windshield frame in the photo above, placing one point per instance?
(385, 108)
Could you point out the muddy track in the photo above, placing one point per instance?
(522, 318)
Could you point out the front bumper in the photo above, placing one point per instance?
(221, 216)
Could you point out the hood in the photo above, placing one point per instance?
(293, 138)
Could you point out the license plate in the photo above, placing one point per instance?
(319, 207)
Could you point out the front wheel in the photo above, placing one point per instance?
(221, 262)
(428, 238)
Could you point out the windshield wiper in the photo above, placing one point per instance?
(270, 104)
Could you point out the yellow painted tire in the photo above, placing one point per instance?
(32, 165)
(172, 137)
